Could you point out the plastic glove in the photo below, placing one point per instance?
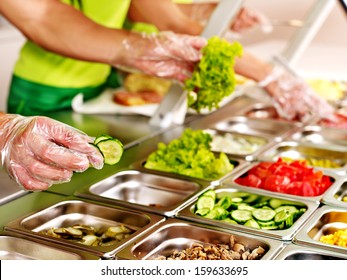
(38, 151)
(166, 54)
(293, 98)
(248, 19)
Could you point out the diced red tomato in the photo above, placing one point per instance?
(295, 178)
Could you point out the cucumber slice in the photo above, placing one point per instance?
(290, 209)
(111, 149)
(217, 213)
(263, 215)
(205, 201)
(252, 223)
(281, 217)
(241, 216)
(225, 202)
(270, 227)
(229, 221)
(210, 193)
(245, 207)
(202, 211)
(101, 138)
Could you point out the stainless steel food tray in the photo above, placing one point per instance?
(230, 181)
(327, 137)
(333, 196)
(298, 252)
(260, 144)
(179, 234)
(19, 247)
(276, 130)
(324, 221)
(144, 191)
(68, 211)
(284, 234)
(296, 150)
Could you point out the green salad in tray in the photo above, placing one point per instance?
(213, 78)
(190, 155)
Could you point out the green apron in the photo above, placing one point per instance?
(45, 82)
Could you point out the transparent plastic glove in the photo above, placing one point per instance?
(293, 98)
(166, 54)
(38, 151)
(248, 19)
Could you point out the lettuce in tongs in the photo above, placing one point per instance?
(213, 77)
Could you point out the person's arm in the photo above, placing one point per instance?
(64, 30)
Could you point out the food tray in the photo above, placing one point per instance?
(69, 211)
(324, 221)
(239, 164)
(335, 139)
(16, 247)
(230, 181)
(334, 196)
(298, 252)
(178, 234)
(273, 129)
(144, 191)
(284, 234)
(267, 111)
(237, 145)
(296, 151)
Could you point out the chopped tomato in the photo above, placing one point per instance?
(295, 178)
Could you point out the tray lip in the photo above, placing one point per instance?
(15, 226)
(292, 248)
(329, 198)
(125, 253)
(165, 211)
(231, 182)
(295, 143)
(302, 238)
(67, 249)
(292, 126)
(283, 235)
(315, 128)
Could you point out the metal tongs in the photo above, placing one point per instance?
(173, 108)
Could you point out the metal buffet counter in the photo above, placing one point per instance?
(139, 213)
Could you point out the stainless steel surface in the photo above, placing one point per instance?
(334, 196)
(297, 252)
(175, 234)
(327, 137)
(173, 108)
(17, 247)
(325, 220)
(230, 181)
(275, 129)
(9, 189)
(284, 234)
(296, 151)
(144, 191)
(68, 211)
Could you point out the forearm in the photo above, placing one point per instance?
(62, 29)
(165, 15)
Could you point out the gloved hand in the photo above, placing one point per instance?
(247, 19)
(293, 98)
(166, 54)
(38, 151)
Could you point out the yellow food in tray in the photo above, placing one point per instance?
(339, 238)
(329, 90)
